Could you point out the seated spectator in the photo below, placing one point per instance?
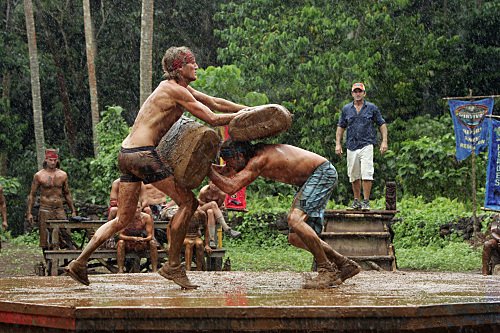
(491, 246)
(138, 237)
(153, 200)
(113, 199)
(211, 202)
(194, 241)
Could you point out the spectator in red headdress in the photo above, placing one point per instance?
(53, 184)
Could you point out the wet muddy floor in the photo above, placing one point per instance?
(235, 289)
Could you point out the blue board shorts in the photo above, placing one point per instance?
(313, 195)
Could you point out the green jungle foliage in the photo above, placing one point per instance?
(111, 131)
(226, 82)
(418, 242)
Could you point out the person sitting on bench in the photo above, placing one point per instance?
(211, 202)
(138, 237)
(193, 240)
(491, 245)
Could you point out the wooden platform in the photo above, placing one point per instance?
(372, 301)
(363, 236)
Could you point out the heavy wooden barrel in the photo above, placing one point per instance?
(189, 148)
(260, 122)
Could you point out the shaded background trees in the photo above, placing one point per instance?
(302, 54)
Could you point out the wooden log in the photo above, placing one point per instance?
(260, 122)
(189, 148)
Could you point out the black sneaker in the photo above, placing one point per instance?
(212, 244)
(356, 205)
(365, 205)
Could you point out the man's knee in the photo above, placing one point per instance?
(295, 218)
(120, 245)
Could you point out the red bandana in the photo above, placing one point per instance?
(51, 153)
(185, 57)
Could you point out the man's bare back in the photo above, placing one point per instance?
(284, 163)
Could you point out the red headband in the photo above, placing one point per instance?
(51, 153)
(185, 57)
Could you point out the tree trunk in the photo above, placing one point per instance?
(89, 43)
(35, 83)
(63, 91)
(6, 88)
(146, 71)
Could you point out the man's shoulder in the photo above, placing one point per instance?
(348, 105)
(172, 86)
(61, 173)
(371, 105)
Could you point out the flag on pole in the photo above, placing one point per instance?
(471, 129)
(492, 198)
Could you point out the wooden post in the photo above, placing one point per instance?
(477, 228)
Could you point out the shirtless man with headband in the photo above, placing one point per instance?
(53, 185)
(139, 161)
(315, 178)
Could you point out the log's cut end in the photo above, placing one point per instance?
(260, 122)
(189, 148)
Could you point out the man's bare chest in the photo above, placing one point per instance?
(51, 181)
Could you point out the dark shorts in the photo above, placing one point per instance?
(313, 195)
(142, 164)
(49, 213)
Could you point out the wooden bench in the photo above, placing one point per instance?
(106, 257)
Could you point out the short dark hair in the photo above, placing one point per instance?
(230, 148)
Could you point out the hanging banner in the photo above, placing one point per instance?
(492, 198)
(470, 125)
(238, 200)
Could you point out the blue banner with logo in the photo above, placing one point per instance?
(470, 123)
(492, 198)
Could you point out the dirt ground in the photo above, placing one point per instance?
(19, 260)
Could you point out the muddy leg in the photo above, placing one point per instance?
(200, 254)
(120, 255)
(153, 256)
(129, 197)
(489, 246)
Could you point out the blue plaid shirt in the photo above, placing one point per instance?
(360, 129)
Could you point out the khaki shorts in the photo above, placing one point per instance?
(360, 163)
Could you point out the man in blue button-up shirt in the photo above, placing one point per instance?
(358, 117)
